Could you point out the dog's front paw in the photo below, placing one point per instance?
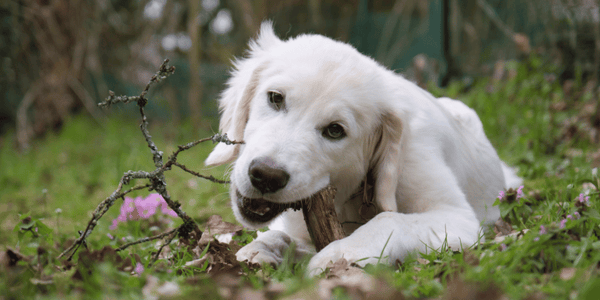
(269, 247)
(353, 252)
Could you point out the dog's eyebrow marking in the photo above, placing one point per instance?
(243, 111)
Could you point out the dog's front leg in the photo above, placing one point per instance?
(269, 247)
(287, 234)
(391, 236)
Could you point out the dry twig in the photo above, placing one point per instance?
(189, 228)
(321, 219)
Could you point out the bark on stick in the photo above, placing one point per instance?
(321, 218)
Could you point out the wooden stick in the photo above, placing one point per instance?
(321, 218)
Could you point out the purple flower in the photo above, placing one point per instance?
(145, 208)
(139, 268)
(164, 207)
(110, 236)
(141, 208)
(503, 246)
(542, 229)
(569, 217)
(577, 215)
(501, 195)
(537, 238)
(520, 193)
(563, 223)
(115, 224)
(584, 199)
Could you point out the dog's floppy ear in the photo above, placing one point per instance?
(234, 102)
(386, 162)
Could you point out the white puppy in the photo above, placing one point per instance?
(315, 112)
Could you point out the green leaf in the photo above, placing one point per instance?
(23, 216)
(505, 209)
(27, 226)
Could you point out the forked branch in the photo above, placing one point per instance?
(157, 182)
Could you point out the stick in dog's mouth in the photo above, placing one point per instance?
(318, 210)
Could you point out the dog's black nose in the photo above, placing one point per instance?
(266, 176)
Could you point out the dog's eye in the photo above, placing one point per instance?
(275, 100)
(334, 131)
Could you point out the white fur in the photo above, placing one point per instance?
(435, 173)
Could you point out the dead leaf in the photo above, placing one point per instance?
(169, 289)
(342, 268)
(499, 71)
(152, 290)
(460, 290)
(246, 293)
(46, 281)
(197, 263)
(522, 42)
(356, 283)
(11, 257)
(470, 258)
(513, 234)
(567, 273)
(502, 227)
(220, 257)
(216, 226)
(88, 259)
(149, 289)
(231, 286)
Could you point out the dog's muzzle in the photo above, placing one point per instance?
(261, 210)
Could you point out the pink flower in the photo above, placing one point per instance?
(139, 268)
(537, 238)
(542, 229)
(577, 215)
(164, 207)
(145, 208)
(141, 208)
(110, 236)
(501, 195)
(503, 246)
(584, 199)
(520, 193)
(569, 217)
(563, 223)
(114, 225)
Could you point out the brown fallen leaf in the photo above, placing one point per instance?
(88, 259)
(220, 257)
(215, 226)
(513, 234)
(567, 273)
(342, 274)
(458, 289)
(153, 290)
(502, 227)
(11, 257)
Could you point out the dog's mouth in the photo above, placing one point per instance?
(261, 210)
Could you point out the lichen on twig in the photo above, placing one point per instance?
(157, 182)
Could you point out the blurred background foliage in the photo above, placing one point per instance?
(60, 57)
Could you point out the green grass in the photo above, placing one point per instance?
(75, 169)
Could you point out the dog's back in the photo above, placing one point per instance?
(481, 174)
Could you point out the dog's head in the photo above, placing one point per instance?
(312, 112)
